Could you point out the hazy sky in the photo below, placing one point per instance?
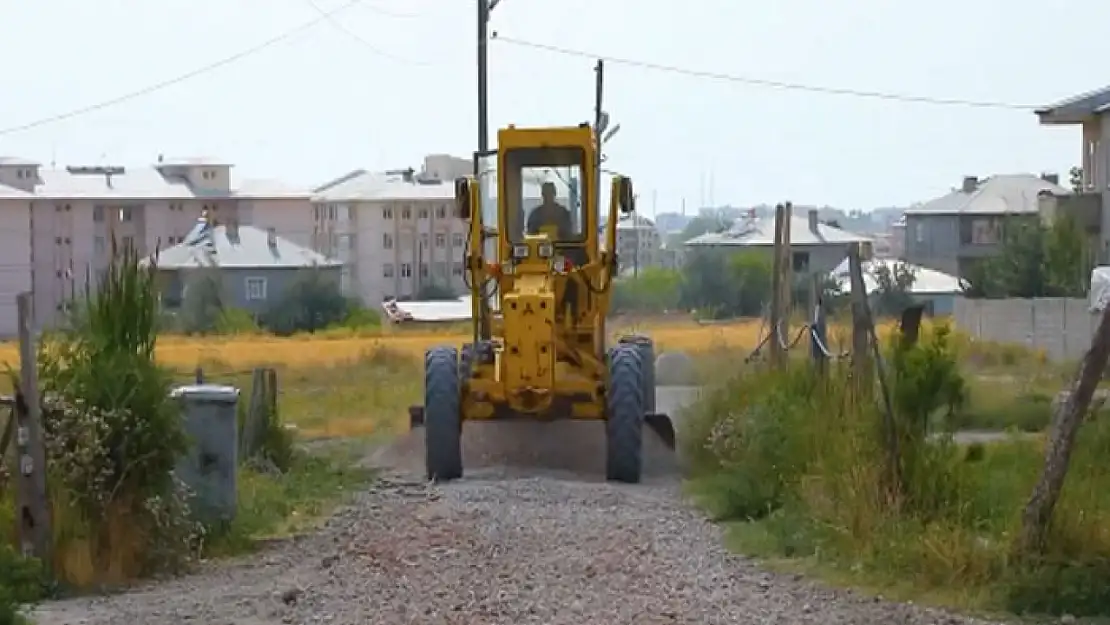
(322, 103)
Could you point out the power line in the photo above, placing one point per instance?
(228, 60)
(358, 38)
(763, 82)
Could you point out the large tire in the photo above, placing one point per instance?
(624, 415)
(647, 363)
(442, 414)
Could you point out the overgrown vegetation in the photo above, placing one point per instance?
(310, 302)
(722, 284)
(114, 437)
(799, 465)
(1036, 260)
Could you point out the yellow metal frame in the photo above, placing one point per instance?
(548, 346)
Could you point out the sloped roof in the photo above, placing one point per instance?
(209, 246)
(926, 281)
(1075, 109)
(761, 232)
(142, 183)
(996, 195)
(366, 185)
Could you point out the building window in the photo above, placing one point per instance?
(406, 213)
(387, 270)
(387, 240)
(441, 212)
(441, 240)
(98, 213)
(984, 232)
(423, 213)
(256, 289)
(406, 270)
(457, 269)
(919, 232)
(423, 270)
(331, 212)
(801, 262)
(423, 240)
(128, 242)
(125, 214)
(457, 240)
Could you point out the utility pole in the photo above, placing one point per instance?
(484, 9)
(599, 114)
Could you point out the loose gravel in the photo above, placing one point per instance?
(503, 545)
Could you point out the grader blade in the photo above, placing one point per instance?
(663, 427)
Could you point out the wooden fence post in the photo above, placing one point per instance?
(777, 355)
(32, 505)
(819, 334)
(861, 348)
(1063, 431)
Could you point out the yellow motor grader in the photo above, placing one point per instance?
(540, 295)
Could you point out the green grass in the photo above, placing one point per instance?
(795, 470)
(278, 505)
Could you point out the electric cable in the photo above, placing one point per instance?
(763, 82)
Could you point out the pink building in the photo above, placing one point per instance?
(56, 225)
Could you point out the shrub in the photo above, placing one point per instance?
(21, 584)
(113, 434)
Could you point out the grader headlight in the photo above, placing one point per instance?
(546, 250)
(520, 252)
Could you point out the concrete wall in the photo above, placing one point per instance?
(1061, 327)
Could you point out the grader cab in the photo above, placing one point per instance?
(541, 282)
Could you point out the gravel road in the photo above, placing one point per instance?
(503, 545)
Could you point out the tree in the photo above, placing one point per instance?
(726, 283)
(1035, 260)
(311, 302)
(893, 293)
(435, 292)
(203, 300)
(654, 290)
(1075, 179)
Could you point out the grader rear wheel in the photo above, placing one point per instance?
(625, 415)
(442, 418)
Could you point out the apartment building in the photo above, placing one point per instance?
(61, 222)
(395, 231)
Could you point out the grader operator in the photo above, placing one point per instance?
(540, 284)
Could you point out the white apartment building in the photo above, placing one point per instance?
(395, 231)
(57, 224)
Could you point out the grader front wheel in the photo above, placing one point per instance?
(442, 418)
(625, 415)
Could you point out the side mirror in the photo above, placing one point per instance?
(627, 198)
(462, 198)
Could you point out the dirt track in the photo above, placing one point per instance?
(532, 534)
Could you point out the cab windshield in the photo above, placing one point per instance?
(543, 190)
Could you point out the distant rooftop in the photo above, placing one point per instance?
(760, 232)
(210, 246)
(996, 195)
(138, 183)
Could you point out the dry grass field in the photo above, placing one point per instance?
(340, 347)
(348, 384)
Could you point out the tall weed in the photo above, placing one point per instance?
(114, 436)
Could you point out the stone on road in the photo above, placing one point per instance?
(532, 534)
(498, 548)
